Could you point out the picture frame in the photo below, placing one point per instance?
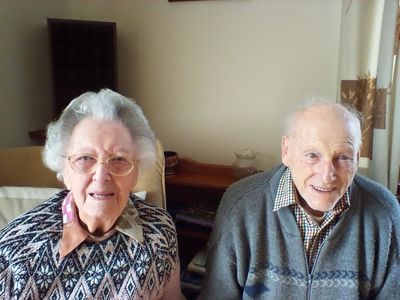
(183, 0)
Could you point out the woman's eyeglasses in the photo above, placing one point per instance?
(87, 164)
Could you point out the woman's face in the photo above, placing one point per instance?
(100, 197)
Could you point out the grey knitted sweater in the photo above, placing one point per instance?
(255, 253)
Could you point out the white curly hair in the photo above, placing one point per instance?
(104, 105)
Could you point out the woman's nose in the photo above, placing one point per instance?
(101, 173)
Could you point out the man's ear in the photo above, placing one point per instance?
(358, 157)
(285, 150)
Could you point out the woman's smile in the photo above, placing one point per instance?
(101, 196)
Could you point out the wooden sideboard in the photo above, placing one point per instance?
(200, 187)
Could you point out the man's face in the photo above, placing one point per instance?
(322, 152)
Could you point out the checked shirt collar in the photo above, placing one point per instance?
(313, 232)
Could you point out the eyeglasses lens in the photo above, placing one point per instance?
(86, 164)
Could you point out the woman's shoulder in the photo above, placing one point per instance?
(150, 212)
(36, 224)
(155, 220)
(32, 234)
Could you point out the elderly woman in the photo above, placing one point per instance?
(94, 240)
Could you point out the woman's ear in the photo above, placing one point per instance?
(65, 176)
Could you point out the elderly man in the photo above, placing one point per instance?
(310, 228)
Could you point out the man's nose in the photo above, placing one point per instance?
(328, 171)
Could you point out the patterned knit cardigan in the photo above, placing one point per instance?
(116, 268)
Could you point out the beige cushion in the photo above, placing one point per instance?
(14, 201)
(23, 167)
(153, 180)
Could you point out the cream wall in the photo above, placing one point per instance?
(24, 68)
(212, 76)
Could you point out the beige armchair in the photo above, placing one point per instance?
(25, 181)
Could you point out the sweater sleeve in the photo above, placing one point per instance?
(221, 273)
(172, 289)
(391, 284)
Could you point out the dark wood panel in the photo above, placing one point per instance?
(199, 186)
(83, 57)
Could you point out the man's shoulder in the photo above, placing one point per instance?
(252, 190)
(376, 195)
(253, 182)
(374, 189)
